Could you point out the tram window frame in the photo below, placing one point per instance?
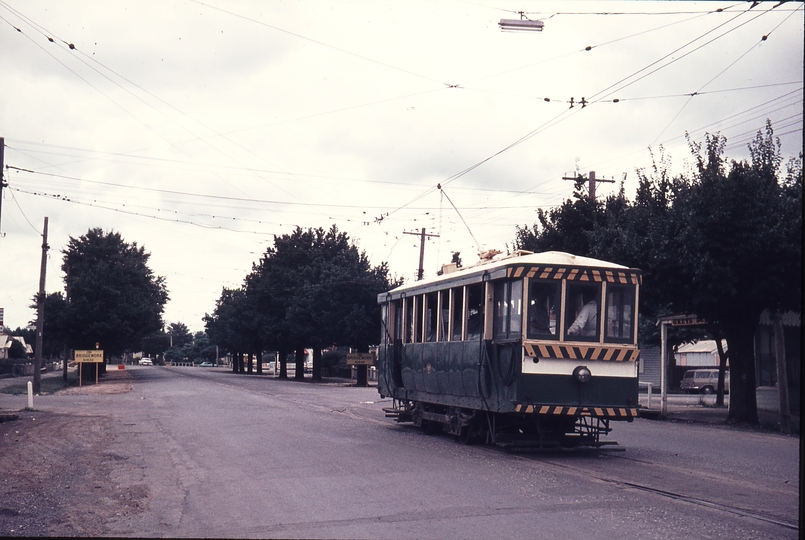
(619, 308)
(534, 329)
(408, 320)
(418, 324)
(395, 319)
(430, 316)
(458, 313)
(577, 296)
(508, 310)
(443, 326)
(474, 312)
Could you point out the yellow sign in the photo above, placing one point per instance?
(360, 359)
(89, 356)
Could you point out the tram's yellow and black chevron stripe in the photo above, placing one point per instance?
(581, 352)
(576, 274)
(563, 410)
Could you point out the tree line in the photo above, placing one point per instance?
(311, 289)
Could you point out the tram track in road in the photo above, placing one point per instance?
(624, 471)
(666, 493)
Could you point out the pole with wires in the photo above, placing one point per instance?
(2, 179)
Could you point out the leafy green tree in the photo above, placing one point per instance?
(234, 325)
(314, 288)
(179, 334)
(113, 297)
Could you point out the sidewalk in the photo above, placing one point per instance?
(698, 414)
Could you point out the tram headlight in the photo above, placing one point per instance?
(582, 374)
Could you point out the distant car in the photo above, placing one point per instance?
(206, 364)
(146, 362)
(704, 381)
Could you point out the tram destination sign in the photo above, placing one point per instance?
(92, 357)
(360, 359)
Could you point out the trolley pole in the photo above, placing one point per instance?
(422, 235)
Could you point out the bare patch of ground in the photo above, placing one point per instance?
(59, 470)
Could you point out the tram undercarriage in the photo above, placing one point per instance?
(516, 432)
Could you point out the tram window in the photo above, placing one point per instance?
(508, 310)
(475, 310)
(458, 312)
(431, 314)
(543, 309)
(384, 314)
(582, 311)
(444, 310)
(409, 320)
(418, 304)
(396, 314)
(620, 306)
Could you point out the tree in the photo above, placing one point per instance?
(738, 251)
(179, 334)
(314, 288)
(113, 298)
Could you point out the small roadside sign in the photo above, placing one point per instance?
(360, 359)
(95, 357)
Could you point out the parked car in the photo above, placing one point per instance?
(206, 364)
(704, 381)
(146, 362)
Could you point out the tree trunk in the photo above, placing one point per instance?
(259, 361)
(241, 364)
(740, 336)
(300, 364)
(283, 358)
(317, 364)
(250, 366)
(234, 362)
(722, 368)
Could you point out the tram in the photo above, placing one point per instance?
(531, 350)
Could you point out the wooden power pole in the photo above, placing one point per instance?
(592, 181)
(422, 236)
(40, 311)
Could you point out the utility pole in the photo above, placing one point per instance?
(422, 237)
(592, 181)
(40, 311)
(2, 179)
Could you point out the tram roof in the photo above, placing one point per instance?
(496, 269)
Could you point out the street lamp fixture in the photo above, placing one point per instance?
(521, 25)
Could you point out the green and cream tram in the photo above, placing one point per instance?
(534, 349)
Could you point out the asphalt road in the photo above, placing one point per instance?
(223, 455)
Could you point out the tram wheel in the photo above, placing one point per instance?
(429, 427)
(465, 436)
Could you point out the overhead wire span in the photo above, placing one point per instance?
(720, 73)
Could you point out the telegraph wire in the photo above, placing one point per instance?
(677, 58)
(705, 85)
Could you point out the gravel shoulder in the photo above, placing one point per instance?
(59, 472)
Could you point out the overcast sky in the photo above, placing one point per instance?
(201, 130)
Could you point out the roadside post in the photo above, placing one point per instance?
(89, 357)
(362, 361)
